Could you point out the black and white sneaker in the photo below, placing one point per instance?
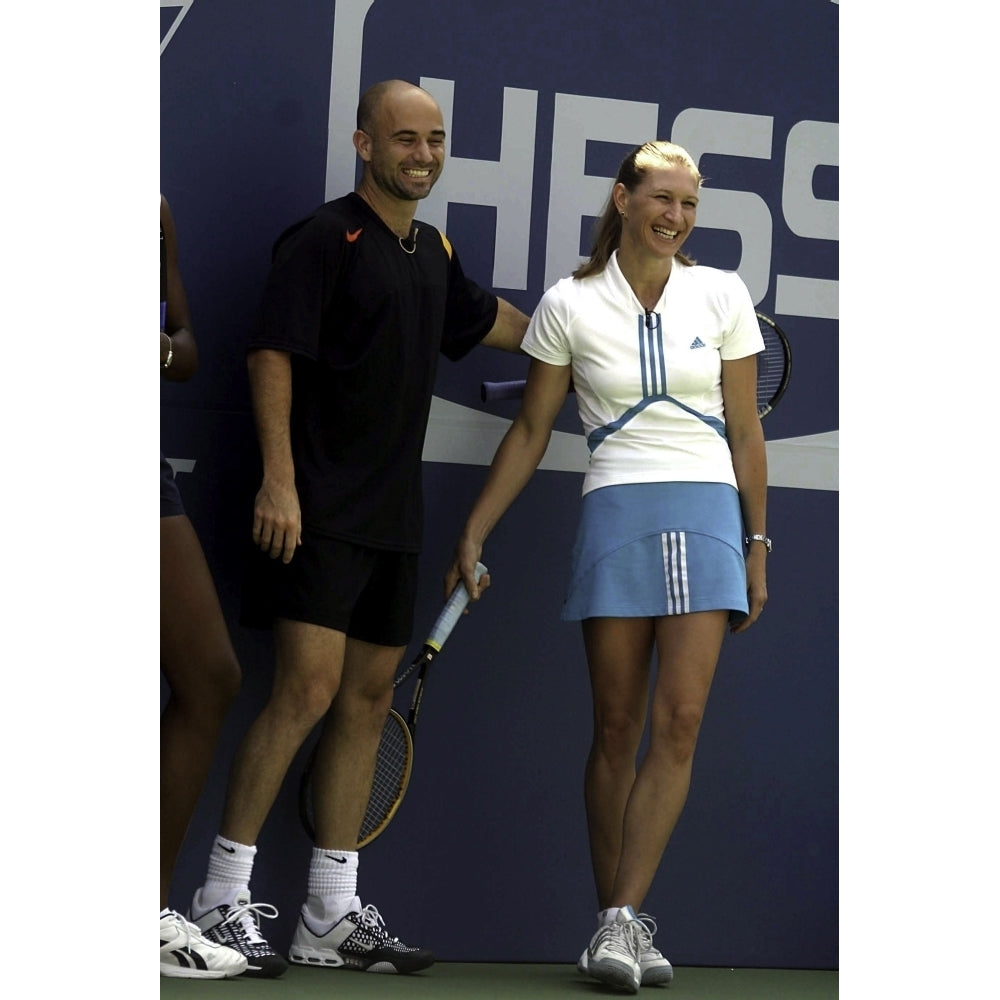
(236, 926)
(186, 954)
(358, 941)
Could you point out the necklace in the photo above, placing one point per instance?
(413, 241)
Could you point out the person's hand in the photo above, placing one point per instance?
(756, 587)
(463, 567)
(277, 521)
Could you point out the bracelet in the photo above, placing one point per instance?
(170, 351)
(758, 538)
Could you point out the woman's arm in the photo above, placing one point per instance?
(515, 461)
(746, 443)
(178, 350)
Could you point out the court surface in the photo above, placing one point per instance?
(485, 981)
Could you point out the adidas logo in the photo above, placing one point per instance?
(697, 342)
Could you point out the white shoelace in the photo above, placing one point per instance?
(644, 934)
(623, 939)
(245, 915)
(372, 919)
(189, 931)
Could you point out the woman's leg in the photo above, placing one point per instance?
(200, 665)
(688, 649)
(619, 651)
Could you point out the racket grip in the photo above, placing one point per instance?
(514, 389)
(451, 612)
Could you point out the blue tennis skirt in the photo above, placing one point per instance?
(649, 549)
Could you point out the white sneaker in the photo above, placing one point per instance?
(186, 954)
(612, 956)
(655, 969)
(358, 941)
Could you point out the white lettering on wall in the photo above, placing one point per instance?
(345, 92)
(809, 145)
(701, 131)
(184, 6)
(505, 183)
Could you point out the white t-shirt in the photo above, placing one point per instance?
(648, 385)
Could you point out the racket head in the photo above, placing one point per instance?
(774, 365)
(394, 757)
(393, 765)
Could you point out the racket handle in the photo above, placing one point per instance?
(513, 389)
(451, 612)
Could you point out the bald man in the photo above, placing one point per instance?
(361, 301)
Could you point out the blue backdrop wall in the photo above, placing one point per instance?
(487, 859)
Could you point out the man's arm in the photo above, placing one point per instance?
(277, 519)
(508, 330)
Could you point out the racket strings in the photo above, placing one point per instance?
(771, 366)
(392, 768)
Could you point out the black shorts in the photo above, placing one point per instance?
(368, 594)
(171, 503)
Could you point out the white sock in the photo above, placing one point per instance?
(607, 916)
(230, 866)
(333, 887)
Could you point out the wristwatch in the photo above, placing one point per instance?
(759, 538)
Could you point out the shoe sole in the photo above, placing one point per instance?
(173, 972)
(657, 977)
(613, 974)
(321, 959)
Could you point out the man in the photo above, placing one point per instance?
(360, 300)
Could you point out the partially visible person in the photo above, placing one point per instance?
(671, 543)
(196, 654)
(360, 302)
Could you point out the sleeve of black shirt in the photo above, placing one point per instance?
(470, 314)
(291, 309)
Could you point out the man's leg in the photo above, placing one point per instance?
(335, 930)
(345, 756)
(309, 661)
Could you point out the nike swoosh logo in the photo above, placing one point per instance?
(231, 850)
(351, 237)
(341, 861)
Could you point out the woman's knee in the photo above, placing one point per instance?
(208, 689)
(226, 681)
(677, 735)
(617, 734)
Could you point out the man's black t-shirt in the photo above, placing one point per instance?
(364, 321)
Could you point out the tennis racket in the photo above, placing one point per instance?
(774, 366)
(394, 762)
(774, 369)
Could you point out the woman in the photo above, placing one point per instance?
(196, 654)
(671, 545)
